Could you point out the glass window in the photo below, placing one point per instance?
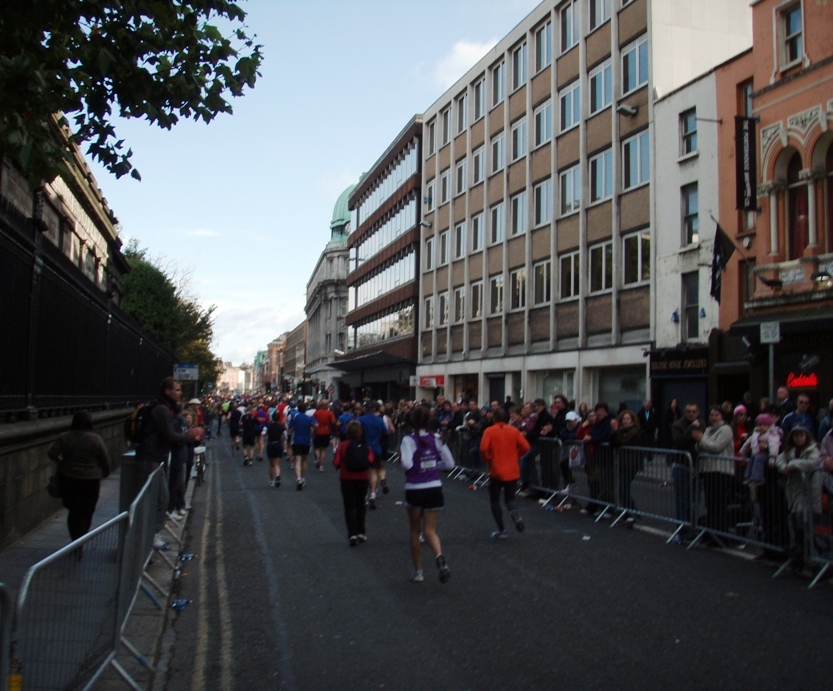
(635, 65)
(636, 161)
(429, 253)
(542, 194)
(479, 93)
(519, 56)
(496, 294)
(691, 306)
(445, 186)
(444, 248)
(520, 213)
(519, 139)
(429, 196)
(601, 87)
(570, 182)
(445, 126)
(477, 299)
(691, 217)
(542, 282)
(477, 165)
(570, 100)
(601, 267)
(599, 12)
(601, 176)
(569, 25)
(459, 240)
(442, 308)
(637, 257)
(477, 232)
(462, 112)
(432, 137)
(791, 29)
(688, 132)
(498, 83)
(543, 123)
(429, 312)
(569, 275)
(517, 286)
(459, 304)
(498, 223)
(797, 209)
(460, 183)
(497, 153)
(543, 46)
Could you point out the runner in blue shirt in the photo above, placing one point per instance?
(302, 428)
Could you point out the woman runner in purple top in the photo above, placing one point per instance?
(423, 456)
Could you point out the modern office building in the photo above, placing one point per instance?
(539, 229)
(381, 353)
(326, 306)
(776, 185)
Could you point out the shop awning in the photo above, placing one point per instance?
(375, 360)
(816, 319)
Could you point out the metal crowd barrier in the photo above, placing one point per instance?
(818, 492)
(92, 583)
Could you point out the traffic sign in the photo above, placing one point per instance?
(770, 332)
(186, 372)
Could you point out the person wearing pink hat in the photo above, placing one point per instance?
(740, 427)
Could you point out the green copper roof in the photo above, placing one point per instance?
(341, 212)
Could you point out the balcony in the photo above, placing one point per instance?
(794, 282)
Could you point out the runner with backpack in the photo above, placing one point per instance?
(353, 459)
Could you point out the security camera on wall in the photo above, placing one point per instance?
(625, 109)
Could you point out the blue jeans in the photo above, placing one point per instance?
(529, 473)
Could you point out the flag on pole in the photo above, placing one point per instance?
(723, 249)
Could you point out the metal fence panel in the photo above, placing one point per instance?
(819, 523)
(81, 581)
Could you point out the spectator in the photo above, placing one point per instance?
(827, 421)
(83, 461)
(717, 474)
(800, 456)
(536, 426)
(671, 414)
(740, 428)
(648, 423)
(761, 449)
(799, 416)
(605, 425)
(559, 415)
(782, 400)
(584, 434)
(627, 433)
(501, 447)
(683, 439)
(567, 436)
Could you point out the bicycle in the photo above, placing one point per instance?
(199, 464)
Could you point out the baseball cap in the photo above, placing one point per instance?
(573, 415)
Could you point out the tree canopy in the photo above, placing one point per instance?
(76, 64)
(161, 307)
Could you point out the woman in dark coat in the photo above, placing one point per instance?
(671, 414)
(83, 461)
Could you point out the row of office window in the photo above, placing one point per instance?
(399, 322)
(405, 166)
(636, 269)
(634, 76)
(400, 272)
(636, 171)
(400, 223)
(598, 11)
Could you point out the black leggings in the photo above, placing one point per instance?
(353, 493)
(80, 497)
(508, 488)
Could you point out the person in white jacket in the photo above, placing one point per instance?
(716, 474)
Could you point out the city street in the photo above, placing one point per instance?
(279, 600)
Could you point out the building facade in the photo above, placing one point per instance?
(539, 229)
(294, 361)
(383, 285)
(326, 306)
(777, 311)
(274, 353)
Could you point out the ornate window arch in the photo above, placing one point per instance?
(797, 208)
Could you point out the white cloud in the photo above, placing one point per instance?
(463, 55)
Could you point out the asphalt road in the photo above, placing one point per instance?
(279, 600)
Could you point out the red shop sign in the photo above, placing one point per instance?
(802, 381)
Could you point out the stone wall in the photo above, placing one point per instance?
(25, 468)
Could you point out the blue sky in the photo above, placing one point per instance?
(242, 207)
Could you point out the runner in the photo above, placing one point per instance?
(501, 447)
(262, 416)
(302, 427)
(374, 429)
(274, 448)
(423, 455)
(234, 415)
(353, 458)
(249, 426)
(326, 421)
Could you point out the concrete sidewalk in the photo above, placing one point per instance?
(147, 622)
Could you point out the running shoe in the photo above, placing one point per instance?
(160, 544)
(422, 538)
(417, 577)
(372, 502)
(362, 537)
(500, 535)
(385, 488)
(354, 541)
(517, 520)
(442, 565)
(277, 482)
(299, 485)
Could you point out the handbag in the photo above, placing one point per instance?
(54, 486)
